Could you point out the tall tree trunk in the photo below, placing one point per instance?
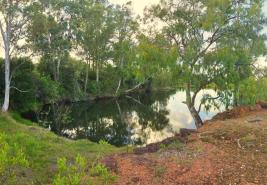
(7, 82)
(6, 39)
(97, 71)
(58, 70)
(86, 75)
(190, 102)
(195, 115)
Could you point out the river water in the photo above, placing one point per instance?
(136, 120)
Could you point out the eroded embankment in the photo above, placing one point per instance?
(230, 149)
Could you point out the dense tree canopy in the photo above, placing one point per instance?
(79, 49)
(215, 40)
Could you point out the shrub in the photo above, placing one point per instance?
(71, 174)
(78, 173)
(102, 172)
(12, 158)
(104, 143)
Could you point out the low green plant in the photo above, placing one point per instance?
(72, 173)
(102, 172)
(177, 145)
(162, 146)
(159, 171)
(104, 143)
(12, 159)
(78, 172)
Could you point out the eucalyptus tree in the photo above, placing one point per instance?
(155, 55)
(197, 28)
(246, 45)
(80, 11)
(93, 29)
(49, 33)
(13, 20)
(123, 41)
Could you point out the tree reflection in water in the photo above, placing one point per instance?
(136, 119)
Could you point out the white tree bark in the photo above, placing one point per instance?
(7, 83)
(6, 39)
(12, 24)
(97, 71)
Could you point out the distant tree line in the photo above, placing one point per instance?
(64, 49)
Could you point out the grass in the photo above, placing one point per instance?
(43, 148)
(159, 171)
(175, 145)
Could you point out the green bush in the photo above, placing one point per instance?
(248, 89)
(12, 159)
(262, 89)
(102, 172)
(79, 173)
(252, 90)
(71, 174)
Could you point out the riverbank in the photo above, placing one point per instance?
(230, 149)
(42, 149)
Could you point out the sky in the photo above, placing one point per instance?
(138, 5)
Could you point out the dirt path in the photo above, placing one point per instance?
(223, 151)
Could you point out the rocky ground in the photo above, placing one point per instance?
(230, 149)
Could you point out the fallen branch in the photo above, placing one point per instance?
(135, 100)
(22, 91)
(138, 86)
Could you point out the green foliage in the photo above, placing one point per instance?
(154, 58)
(177, 145)
(43, 148)
(253, 90)
(24, 81)
(71, 174)
(48, 90)
(78, 172)
(261, 89)
(217, 43)
(11, 159)
(104, 143)
(102, 172)
(159, 171)
(162, 146)
(29, 89)
(248, 91)
(18, 118)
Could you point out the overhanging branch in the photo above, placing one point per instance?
(17, 89)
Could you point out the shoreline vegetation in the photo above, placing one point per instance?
(88, 50)
(42, 148)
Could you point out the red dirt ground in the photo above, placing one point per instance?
(231, 149)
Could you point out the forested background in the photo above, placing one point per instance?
(75, 50)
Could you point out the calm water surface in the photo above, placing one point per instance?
(139, 119)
